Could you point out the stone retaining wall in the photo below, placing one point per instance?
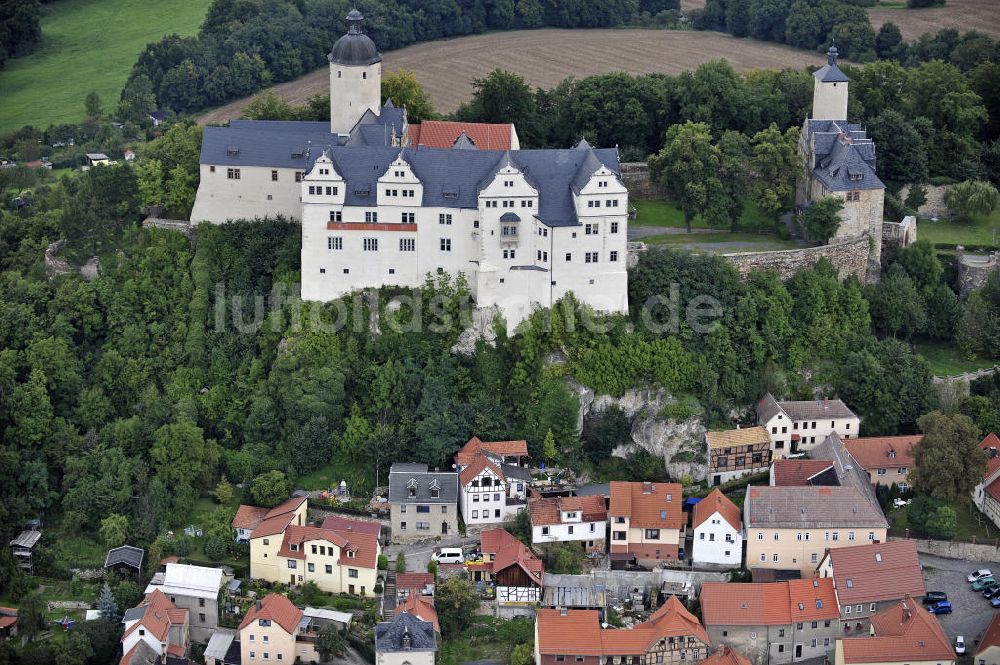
(850, 257)
(181, 226)
(635, 176)
(951, 549)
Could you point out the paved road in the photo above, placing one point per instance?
(972, 612)
(639, 232)
(418, 554)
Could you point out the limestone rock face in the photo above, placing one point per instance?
(680, 443)
(483, 319)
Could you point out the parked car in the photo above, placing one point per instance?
(995, 601)
(448, 555)
(935, 597)
(944, 607)
(960, 645)
(979, 574)
(991, 591)
(982, 583)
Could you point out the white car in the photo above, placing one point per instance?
(959, 645)
(978, 575)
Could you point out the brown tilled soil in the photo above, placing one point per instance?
(965, 15)
(545, 57)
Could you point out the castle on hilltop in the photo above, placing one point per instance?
(838, 159)
(383, 203)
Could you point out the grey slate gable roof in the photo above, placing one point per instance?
(450, 178)
(843, 149)
(389, 635)
(126, 554)
(402, 476)
(810, 507)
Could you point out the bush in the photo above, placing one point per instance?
(401, 563)
(216, 547)
(383, 562)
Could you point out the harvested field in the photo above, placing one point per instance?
(545, 57)
(963, 15)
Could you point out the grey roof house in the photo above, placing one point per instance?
(422, 503)
(411, 638)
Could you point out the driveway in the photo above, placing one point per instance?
(972, 612)
(418, 554)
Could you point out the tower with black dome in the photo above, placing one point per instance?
(355, 76)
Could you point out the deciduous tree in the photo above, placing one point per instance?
(456, 602)
(947, 460)
(269, 489)
(688, 168)
(403, 88)
(972, 197)
(822, 219)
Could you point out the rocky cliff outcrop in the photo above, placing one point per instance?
(680, 443)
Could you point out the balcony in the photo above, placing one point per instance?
(515, 501)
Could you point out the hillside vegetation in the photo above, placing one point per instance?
(87, 46)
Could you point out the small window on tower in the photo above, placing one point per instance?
(364, 75)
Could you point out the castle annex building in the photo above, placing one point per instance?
(379, 206)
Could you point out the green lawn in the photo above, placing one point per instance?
(983, 230)
(87, 45)
(659, 212)
(971, 523)
(946, 359)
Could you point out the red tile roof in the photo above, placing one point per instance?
(158, 616)
(904, 632)
(991, 638)
(276, 608)
(716, 502)
(877, 572)
(249, 517)
(726, 656)
(420, 608)
(7, 622)
(276, 519)
(509, 551)
(872, 452)
(577, 632)
(992, 465)
(477, 466)
(338, 523)
(475, 447)
(648, 505)
(548, 511)
(796, 472)
(771, 603)
(415, 582)
(364, 545)
(443, 134)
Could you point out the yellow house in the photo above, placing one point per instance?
(647, 520)
(269, 633)
(903, 634)
(339, 560)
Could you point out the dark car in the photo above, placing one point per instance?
(935, 597)
(991, 591)
(944, 607)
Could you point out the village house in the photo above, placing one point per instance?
(986, 495)
(737, 452)
(988, 650)
(886, 459)
(422, 503)
(796, 427)
(421, 607)
(772, 623)
(196, 589)
(515, 572)
(248, 518)
(647, 521)
(379, 207)
(406, 640)
(790, 528)
(156, 626)
(493, 484)
(569, 519)
(718, 531)
(271, 633)
(284, 549)
(414, 584)
(902, 634)
(801, 472)
(671, 635)
(872, 578)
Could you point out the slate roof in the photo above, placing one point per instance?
(126, 555)
(815, 409)
(401, 476)
(877, 572)
(904, 632)
(140, 654)
(648, 505)
(768, 604)
(849, 472)
(355, 48)
(420, 607)
(830, 72)
(389, 635)
(364, 158)
(716, 502)
(844, 156)
(810, 508)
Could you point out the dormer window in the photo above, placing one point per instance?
(350, 554)
(892, 453)
(232, 151)
(294, 547)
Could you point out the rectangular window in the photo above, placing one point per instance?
(233, 174)
(652, 534)
(334, 243)
(407, 244)
(329, 569)
(370, 244)
(352, 572)
(274, 176)
(371, 217)
(409, 217)
(311, 567)
(445, 244)
(444, 219)
(613, 257)
(293, 564)
(336, 216)
(298, 176)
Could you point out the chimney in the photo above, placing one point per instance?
(407, 639)
(258, 605)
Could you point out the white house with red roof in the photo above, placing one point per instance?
(569, 519)
(718, 531)
(155, 624)
(986, 495)
(283, 548)
(492, 482)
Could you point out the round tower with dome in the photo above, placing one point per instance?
(355, 76)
